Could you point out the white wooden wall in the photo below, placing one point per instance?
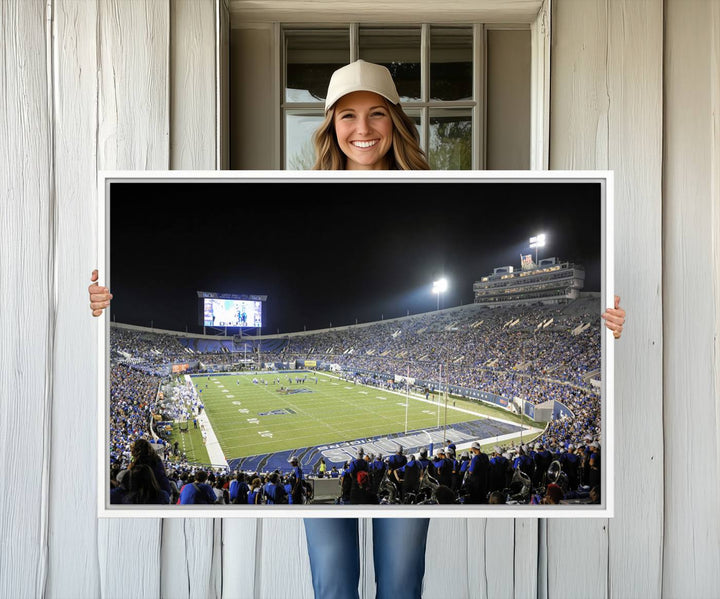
(606, 113)
(87, 85)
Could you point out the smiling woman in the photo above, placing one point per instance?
(365, 128)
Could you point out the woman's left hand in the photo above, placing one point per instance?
(615, 318)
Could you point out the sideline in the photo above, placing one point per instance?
(212, 445)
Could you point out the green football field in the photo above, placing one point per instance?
(256, 418)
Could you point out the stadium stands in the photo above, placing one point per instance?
(537, 352)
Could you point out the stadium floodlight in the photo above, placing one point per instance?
(537, 242)
(439, 287)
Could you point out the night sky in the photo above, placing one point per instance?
(332, 253)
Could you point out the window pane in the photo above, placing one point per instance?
(451, 63)
(450, 145)
(399, 50)
(311, 57)
(299, 151)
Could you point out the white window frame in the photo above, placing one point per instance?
(534, 14)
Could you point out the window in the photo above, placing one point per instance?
(439, 72)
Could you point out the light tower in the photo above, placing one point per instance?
(439, 287)
(537, 242)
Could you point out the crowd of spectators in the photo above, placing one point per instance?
(170, 483)
(524, 474)
(537, 352)
(133, 401)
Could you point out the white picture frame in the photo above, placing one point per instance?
(604, 179)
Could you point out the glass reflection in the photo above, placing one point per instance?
(450, 146)
(311, 57)
(451, 63)
(399, 50)
(299, 151)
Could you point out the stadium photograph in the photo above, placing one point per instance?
(354, 345)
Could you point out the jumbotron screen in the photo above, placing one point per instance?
(232, 313)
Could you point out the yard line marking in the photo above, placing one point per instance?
(305, 414)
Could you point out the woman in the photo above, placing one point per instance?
(365, 128)
(143, 453)
(139, 486)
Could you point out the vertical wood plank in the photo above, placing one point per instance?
(446, 559)
(132, 134)
(130, 543)
(190, 565)
(607, 114)
(500, 557)
(27, 315)
(579, 140)
(578, 100)
(193, 85)
(215, 583)
(187, 558)
(133, 85)
(239, 556)
(525, 562)
(571, 572)
(635, 89)
(490, 555)
(73, 568)
(692, 397)
(286, 572)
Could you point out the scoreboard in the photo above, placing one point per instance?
(226, 310)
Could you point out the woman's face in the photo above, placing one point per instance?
(364, 130)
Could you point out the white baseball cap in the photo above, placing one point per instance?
(361, 76)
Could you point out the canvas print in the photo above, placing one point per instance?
(325, 345)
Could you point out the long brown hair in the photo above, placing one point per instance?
(404, 155)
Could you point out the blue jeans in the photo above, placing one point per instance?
(398, 556)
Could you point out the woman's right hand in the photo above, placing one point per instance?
(99, 296)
